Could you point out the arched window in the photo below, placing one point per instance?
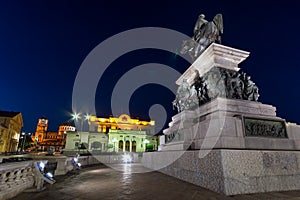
(133, 146)
(121, 145)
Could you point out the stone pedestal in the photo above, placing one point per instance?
(231, 146)
(221, 124)
(231, 172)
(215, 55)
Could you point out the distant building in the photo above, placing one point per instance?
(51, 140)
(11, 124)
(41, 130)
(118, 134)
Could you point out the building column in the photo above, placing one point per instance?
(130, 145)
(123, 145)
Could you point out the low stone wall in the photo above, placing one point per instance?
(231, 172)
(64, 164)
(14, 178)
(18, 176)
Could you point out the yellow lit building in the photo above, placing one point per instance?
(11, 124)
(125, 134)
(123, 122)
(115, 134)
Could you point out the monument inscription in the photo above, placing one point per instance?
(174, 137)
(264, 128)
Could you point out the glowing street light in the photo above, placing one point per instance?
(23, 137)
(87, 117)
(76, 116)
(80, 118)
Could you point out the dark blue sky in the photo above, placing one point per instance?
(43, 43)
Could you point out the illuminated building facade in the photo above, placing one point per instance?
(115, 134)
(123, 122)
(11, 124)
(41, 130)
(124, 133)
(51, 140)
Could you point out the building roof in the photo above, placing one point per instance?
(122, 119)
(8, 113)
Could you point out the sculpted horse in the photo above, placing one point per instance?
(209, 31)
(205, 33)
(191, 47)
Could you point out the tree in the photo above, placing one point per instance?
(149, 147)
(27, 145)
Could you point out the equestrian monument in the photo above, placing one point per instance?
(223, 138)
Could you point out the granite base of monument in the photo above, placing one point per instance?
(231, 172)
(212, 147)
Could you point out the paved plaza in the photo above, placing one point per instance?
(104, 183)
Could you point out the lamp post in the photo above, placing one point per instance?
(29, 134)
(114, 141)
(24, 139)
(77, 117)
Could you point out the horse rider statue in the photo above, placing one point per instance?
(205, 33)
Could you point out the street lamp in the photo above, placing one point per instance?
(77, 117)
(87, 117)
(24, 139)
(114, 141)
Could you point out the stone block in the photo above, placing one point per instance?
(215, 55)
(232, 171)
(219, 142)
(268, 143)
(293, 131)
(279, 163)
(241, 186)
(239, 164)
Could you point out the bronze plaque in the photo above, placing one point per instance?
(264, 127)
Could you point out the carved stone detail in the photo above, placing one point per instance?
(218, 82)
(265, 128)
(174, 137)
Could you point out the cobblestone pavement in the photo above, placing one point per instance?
(104, 183)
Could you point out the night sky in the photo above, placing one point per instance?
(43, 43)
